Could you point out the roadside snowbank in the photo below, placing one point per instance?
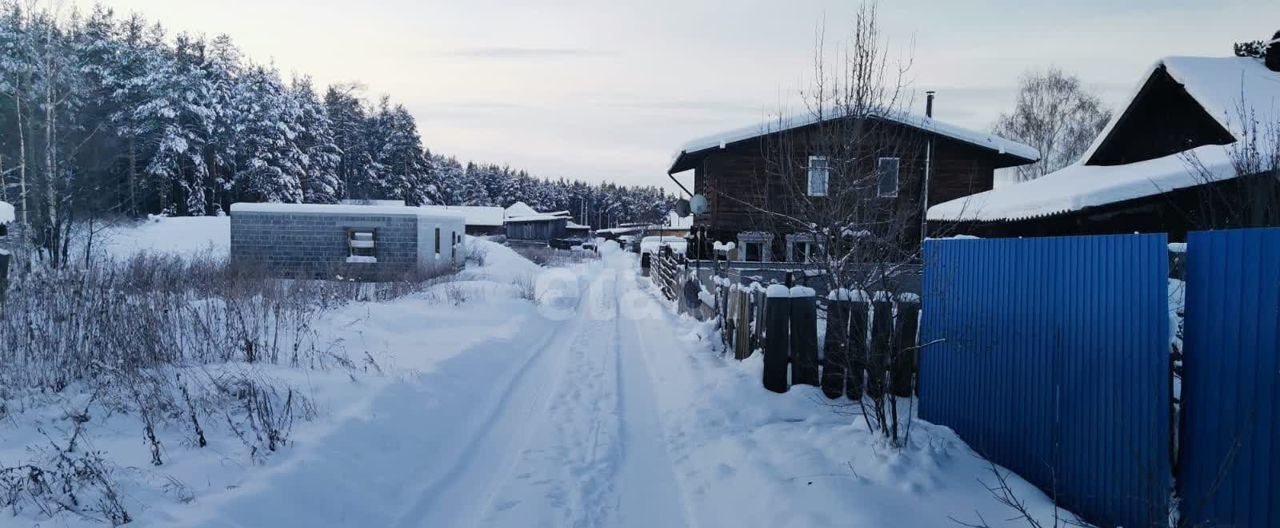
(748, 457)
(377, 354)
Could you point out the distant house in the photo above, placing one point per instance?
(481, 220)
(1171, 162)
(733, 173)
(367, 242)
(524, 225)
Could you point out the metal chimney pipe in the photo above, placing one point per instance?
(928, 103)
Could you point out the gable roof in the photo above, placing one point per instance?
(1222, 86)
(520, 209)
(692, 152)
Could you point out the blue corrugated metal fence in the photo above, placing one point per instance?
(1050, 356)
(1229, 472)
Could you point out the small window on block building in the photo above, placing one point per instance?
(362, 246)
(754, 251)
(819, 172)
(887, 176)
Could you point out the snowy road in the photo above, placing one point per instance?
(575, 441)
(554, 425)
(600, 408)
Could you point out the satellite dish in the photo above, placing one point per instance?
(698, 204)
(682, 208)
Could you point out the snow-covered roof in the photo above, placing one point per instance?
(537, 217)
(1001, 145)
(574, 225)
(6, 213)
(340, 209)
(520, 209)
(1223, 86)
(476, 215)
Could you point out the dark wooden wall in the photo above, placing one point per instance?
(538, 231)
(741, 184)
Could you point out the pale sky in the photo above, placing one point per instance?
(607, 90)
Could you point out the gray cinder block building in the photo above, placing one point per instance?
(367, 242)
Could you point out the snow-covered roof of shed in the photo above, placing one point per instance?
(341, 209)
(1000, 145)
(6, 212)
(1223, 86)
(520, 209)
(476, 215)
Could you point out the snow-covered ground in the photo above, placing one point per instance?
(521, 396)
(183, 236)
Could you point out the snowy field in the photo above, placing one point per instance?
(520, 396)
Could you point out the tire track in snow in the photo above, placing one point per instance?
(567, 474)
(450, 499)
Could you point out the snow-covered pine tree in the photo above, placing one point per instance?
(175, 119)
(398, 156)
(349, 123)
(321, 155)
(224, 64)
(268, 162)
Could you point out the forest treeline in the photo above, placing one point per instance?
(108, 116)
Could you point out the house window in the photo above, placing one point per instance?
(754, 251)
(887, 177)
(803, 251)
(362, 245)
(437, 241)
(819, 171)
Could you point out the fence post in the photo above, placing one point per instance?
(742, 343)
(777, 339)
(835, 363)
(859, 318)
(804, 337)
(881, 343)
(904, 350)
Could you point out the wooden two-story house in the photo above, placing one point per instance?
(763, 186)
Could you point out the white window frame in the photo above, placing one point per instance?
(880, 177)
(818, 186)
(362, 242)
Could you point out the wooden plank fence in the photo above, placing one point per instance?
(866, 354)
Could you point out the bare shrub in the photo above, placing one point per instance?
(476, 254)
(177, 343)
(526, 287)
(265, 414)
(64, 480)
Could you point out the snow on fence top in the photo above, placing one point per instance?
(341, 209)
(1223, 86)
(6, 213)
(475, 215)
(980, 139)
